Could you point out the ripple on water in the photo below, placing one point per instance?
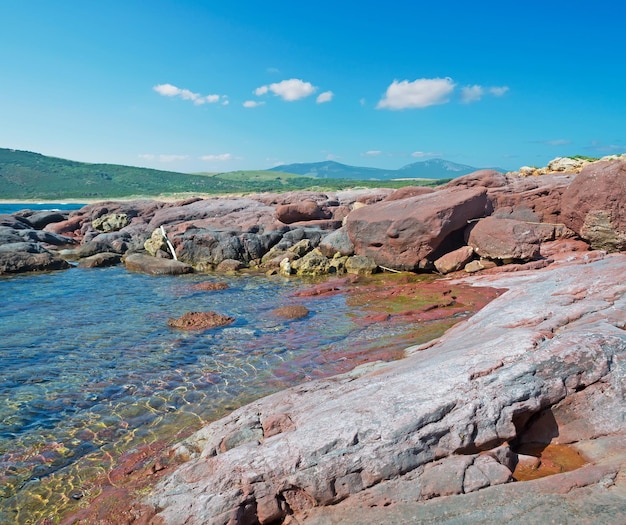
(89, 368)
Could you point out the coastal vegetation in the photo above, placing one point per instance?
(26, 175)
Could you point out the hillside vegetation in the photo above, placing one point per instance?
(26, 176)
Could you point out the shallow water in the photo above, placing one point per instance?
(89, 367)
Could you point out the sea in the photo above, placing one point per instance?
(90, 369)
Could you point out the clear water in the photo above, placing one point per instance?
(13, 207)
(89, 367)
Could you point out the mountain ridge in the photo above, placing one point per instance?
(426, 169)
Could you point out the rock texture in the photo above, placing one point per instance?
(594, 205)
(312, 233)
(401, 233)
(386, 442)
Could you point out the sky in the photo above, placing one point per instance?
(214, 86)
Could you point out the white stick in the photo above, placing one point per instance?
(169, 244)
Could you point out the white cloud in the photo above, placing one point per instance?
(331, 156)
(498, 91)
(372, 153)
(172, 158)
(252, 103)
(327, 96)
(169, 90)
(289, 90)
(472, 93)
(362, 101)
(146, 156)
(222, 157)
(420, 93)
(422, 154)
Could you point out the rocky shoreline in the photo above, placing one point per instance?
(442, 435)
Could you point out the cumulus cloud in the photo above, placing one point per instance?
(221, 157)
(420, 93)
(289, 90)
(472, 93)
(423, 154)
(372, 153)
(252, 103)
(498, 91)
(169, 90)
(327, 96)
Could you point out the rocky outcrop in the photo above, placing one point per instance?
(24, 248)
(401, 234)
(20, 257)
(411, 229)
(594, 205)
(388, 440)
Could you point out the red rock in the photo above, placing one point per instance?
(408, 191)
(594, 205)
(200, 321)
(307, 210)
(455, 260)
(508, 239)
(400, 234)
(295, 311)
(210, 286)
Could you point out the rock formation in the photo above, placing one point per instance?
(383, 444)
(503, 218)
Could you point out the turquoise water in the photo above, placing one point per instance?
(12, 207)
(89, 367)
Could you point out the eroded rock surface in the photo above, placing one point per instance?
(384, 443)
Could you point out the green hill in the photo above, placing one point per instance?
(31, 176)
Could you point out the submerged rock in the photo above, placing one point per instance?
(200, 321)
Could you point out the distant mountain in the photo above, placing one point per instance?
(427, 169)
(25, 175)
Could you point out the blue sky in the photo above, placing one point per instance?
(219, 86)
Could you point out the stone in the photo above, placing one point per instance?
(567, 164)
(156, 242)
(295, 311)
(593, 205)
(508, 239)
(335, 242)
(111, 222)
(137, 262)
(454, 260)
(100, 260)
(19, 257)
(407, 191)
(230, 265)
(360, 265)
(478, 265)
(210, 286)
(200, 321)
(313, 263)
(306, 210)
(400, 234)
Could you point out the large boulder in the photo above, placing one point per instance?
(594, 205)
(138, 262)
(400, 234)
(19, 257)
(307, 210)
(508, 239)
(336, 242)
